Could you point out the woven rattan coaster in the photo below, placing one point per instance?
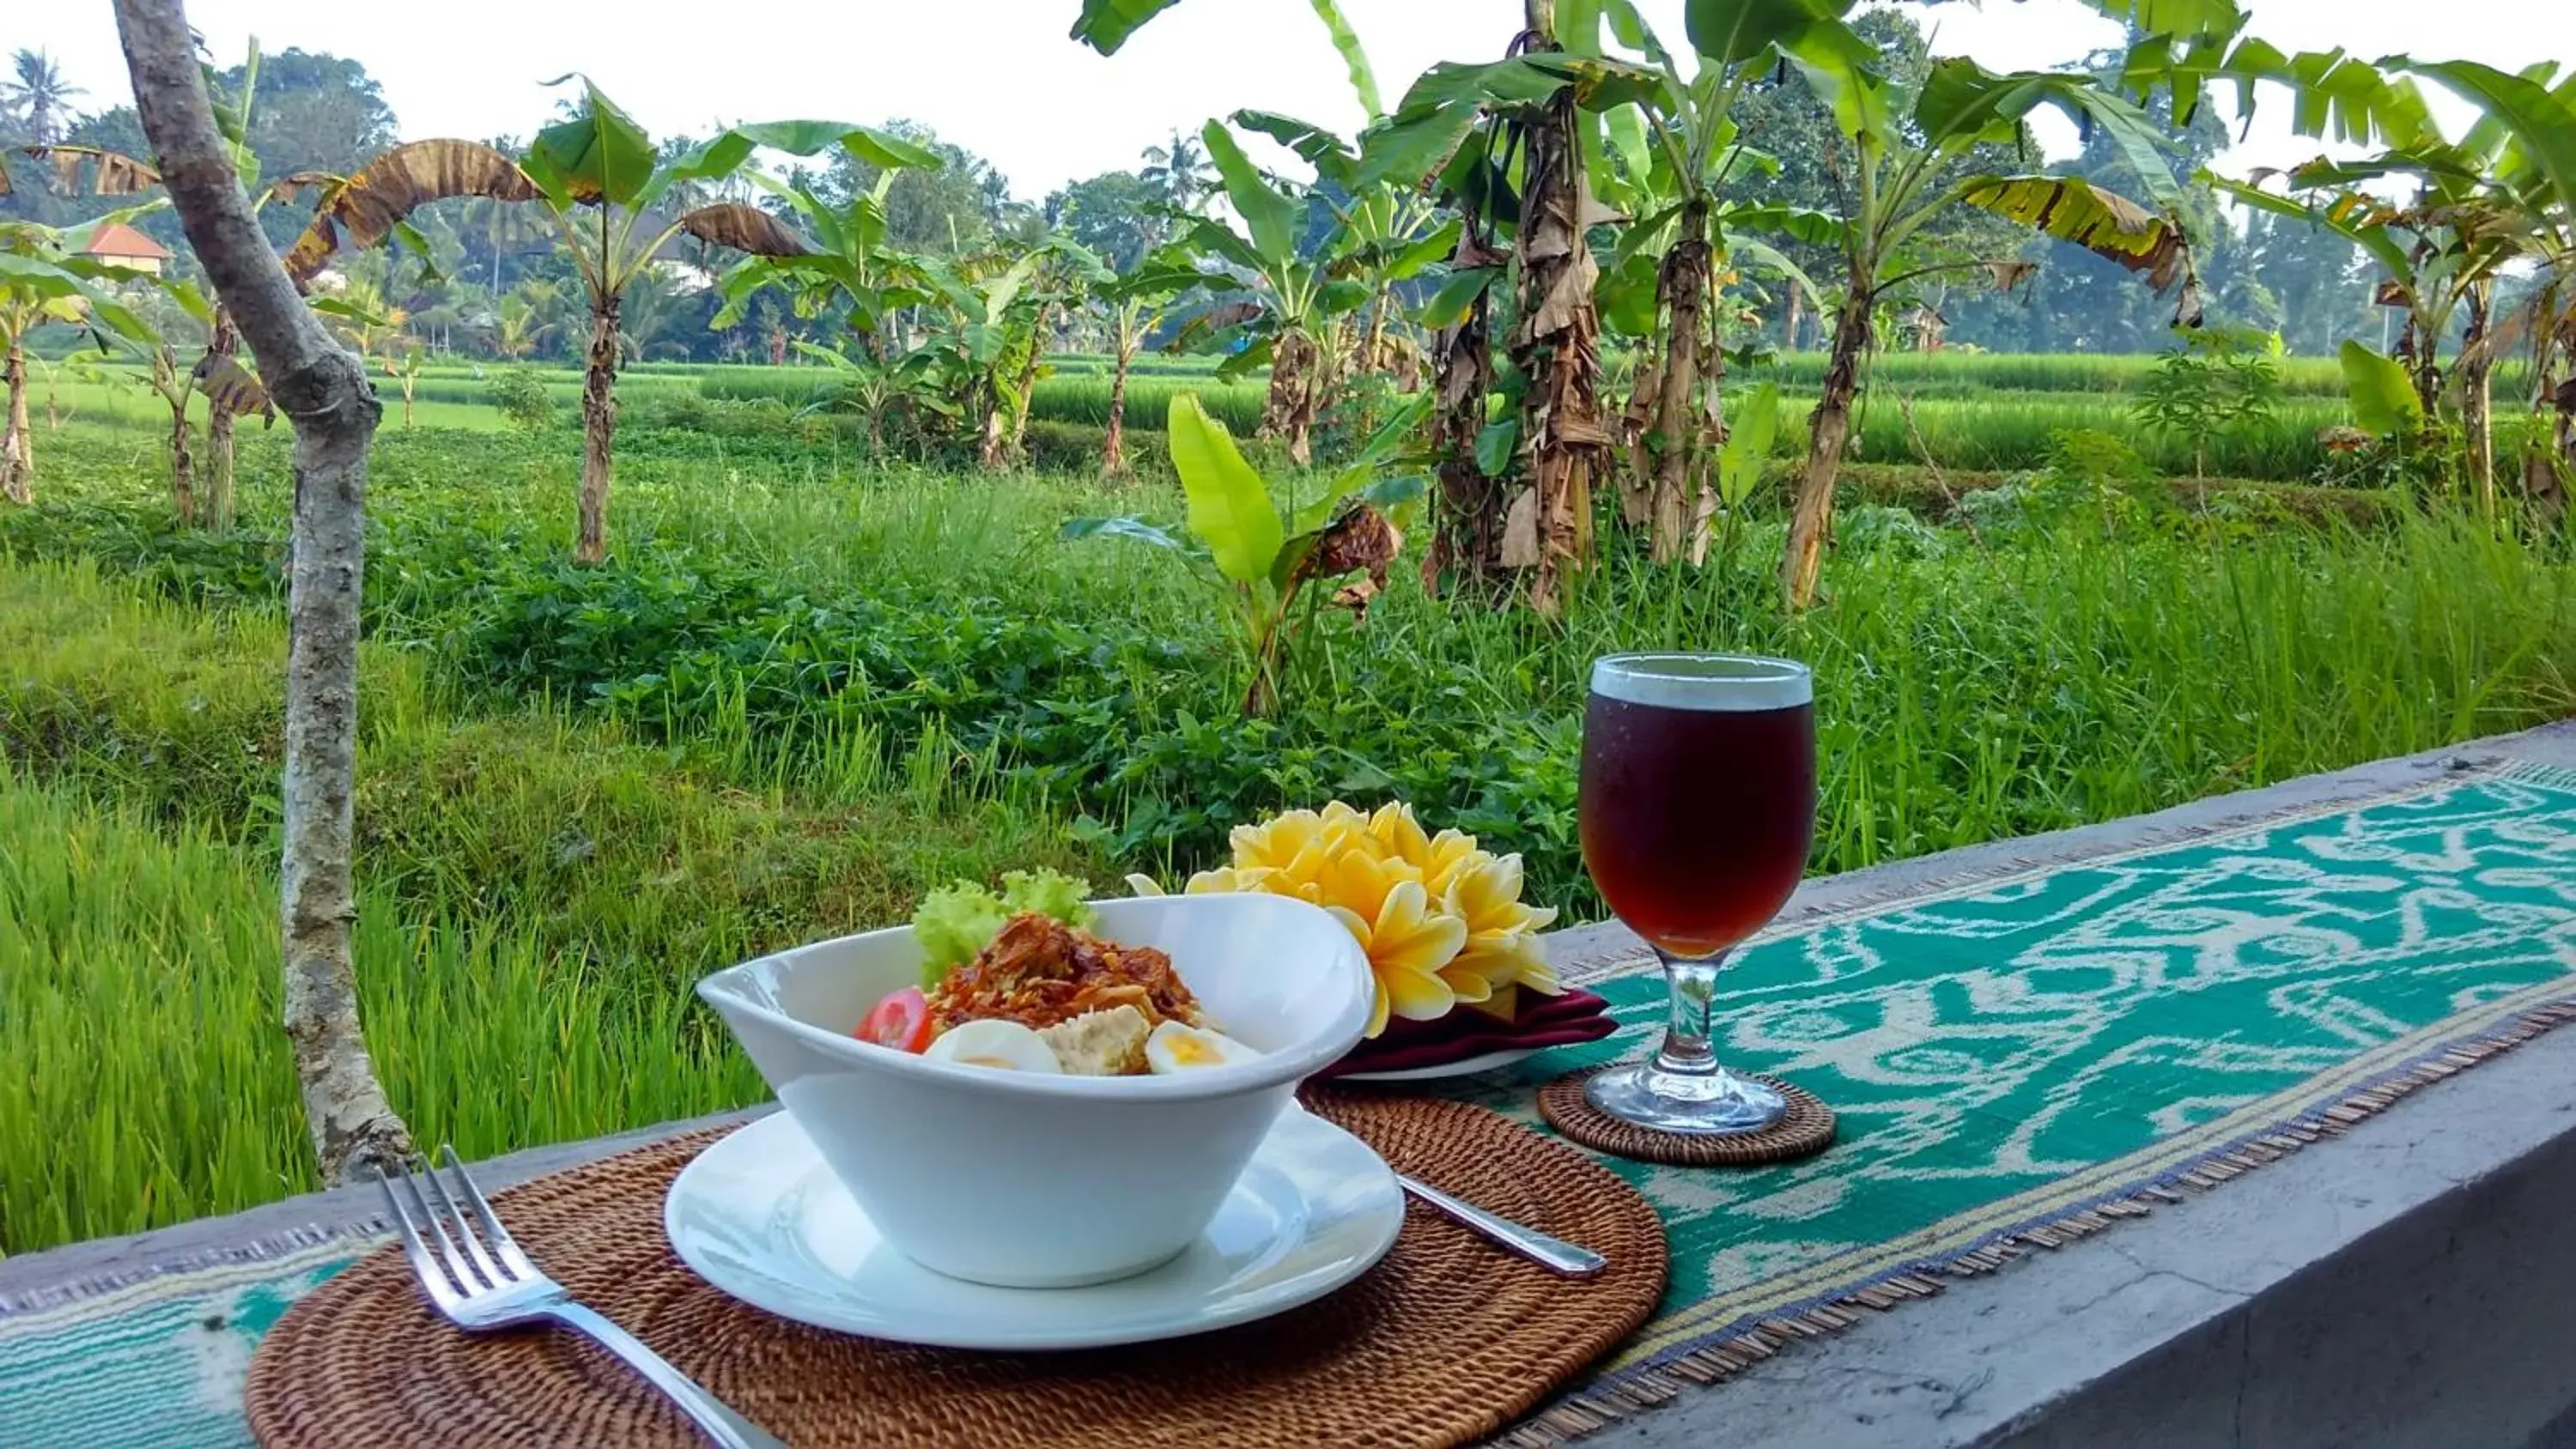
(1442, 1343)
(1806, 1131)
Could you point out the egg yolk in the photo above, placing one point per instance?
(1189, 1051)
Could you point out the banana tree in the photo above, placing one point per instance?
(2535, 170)
(1270, 566)
(1506, 141)
(45, 278)
(1670, 155)
(2442, 253)
(1906, 171)
(1136, 303)
(602, 182)
(975, 339)
(1270, 300)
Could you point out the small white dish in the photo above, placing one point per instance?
(1463, 1067)
(762, 1217)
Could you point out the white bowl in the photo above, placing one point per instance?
(1035, 1181)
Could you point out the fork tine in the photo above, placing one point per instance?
(433, 1281)
(466, 1278)
(464, 1226)
(502, 1242)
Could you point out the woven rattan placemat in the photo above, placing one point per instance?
(1806, 1131)
(1444, 1342)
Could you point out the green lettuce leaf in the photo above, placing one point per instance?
(956, 921)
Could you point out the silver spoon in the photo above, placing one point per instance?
(1554, 1254)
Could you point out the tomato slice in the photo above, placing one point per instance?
(901, 1021)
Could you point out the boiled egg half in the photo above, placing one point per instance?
(1179, 1047)
(1004, 1044)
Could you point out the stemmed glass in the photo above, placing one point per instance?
(1698, 806)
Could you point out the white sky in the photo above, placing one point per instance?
(1001, 78)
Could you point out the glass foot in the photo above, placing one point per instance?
(1707, 1104)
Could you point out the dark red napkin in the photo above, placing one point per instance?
(1542, 1021)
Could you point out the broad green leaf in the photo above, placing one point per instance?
(1106, 24)
(1731, 31)
(1331, 156)
(2542, 122)
(1755, 422)
(1354, 59)
(1269, 214)
(1626, 126)
(1449, 306)
(1841, 69)
(1631, 30)
(1405, 149)
(2383, 396)
(1423, 252)
(600, 155)
(1229, 506)
(1496, 442)
(1626, 296)
(1135, 528)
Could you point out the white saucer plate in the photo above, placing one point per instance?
(761, 1217)
(1464, 1067)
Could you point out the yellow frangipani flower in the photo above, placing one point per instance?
(1407, 943)
(1442, 921)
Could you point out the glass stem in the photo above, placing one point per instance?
(1690, 986)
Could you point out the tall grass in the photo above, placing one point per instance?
(148, 1080)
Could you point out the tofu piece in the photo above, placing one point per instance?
(1107, 1043)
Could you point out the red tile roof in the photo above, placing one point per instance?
(116, 239)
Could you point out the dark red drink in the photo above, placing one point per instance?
(1696, 821)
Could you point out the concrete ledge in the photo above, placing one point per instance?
(2410, 1283)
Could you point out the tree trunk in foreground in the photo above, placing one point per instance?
(219, 431)
(324, 393)
(598, 435)
(18, 443)
(1113, 448)
(1811, 520)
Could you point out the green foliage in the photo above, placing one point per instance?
(521, 394)
(2383, 396)
(2217, 386)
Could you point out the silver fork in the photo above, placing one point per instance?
(484, 1282)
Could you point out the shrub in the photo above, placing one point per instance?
(521, 394)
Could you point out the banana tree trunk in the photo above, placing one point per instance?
(1558, 348)
(1029, 381)
(1371, 350)
(1682, 289)
(1466, 554)
(1789, 327)
(2477, 398)
(598, 435)
(1113, 448)
(1811, 520)
(1637, 435)
(1288, 411)
(223, 342)
(18, 443)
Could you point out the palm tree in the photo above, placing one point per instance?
(1181, 171)
(40, 98)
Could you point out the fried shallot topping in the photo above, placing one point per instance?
(1038, 972)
